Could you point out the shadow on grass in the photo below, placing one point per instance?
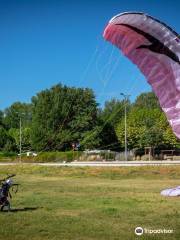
(25, 209)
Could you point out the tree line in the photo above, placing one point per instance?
(62, 116)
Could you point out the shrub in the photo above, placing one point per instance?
(53, 157)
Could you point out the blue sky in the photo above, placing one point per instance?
(43, 43)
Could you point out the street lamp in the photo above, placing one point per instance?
(20, 133)
(126, 98)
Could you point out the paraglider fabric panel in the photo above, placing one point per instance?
(171, 192)
(155, 48)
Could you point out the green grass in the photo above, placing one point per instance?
(62, 203)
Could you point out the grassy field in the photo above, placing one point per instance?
(91, 203)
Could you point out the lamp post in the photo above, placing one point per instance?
(20, 133)
(20, 137)
(126, 98)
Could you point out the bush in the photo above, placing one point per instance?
(7, 154)
(53, 157)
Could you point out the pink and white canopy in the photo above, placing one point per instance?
(171, 192)
(155, 49)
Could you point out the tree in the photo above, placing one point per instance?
(7, 143)
(169, 139)
(147, 100)
(113, 111)
(14, 112)
(1, 118)
(147, 127)
(146, 123)
(25, 138)
(109, 117)
(62, 115)
(3, 137)
(91, 138)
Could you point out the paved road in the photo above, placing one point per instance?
(103, 164)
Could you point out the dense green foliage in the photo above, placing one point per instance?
(147, 125)
(61, 116)
(14, 112)
(109, 118)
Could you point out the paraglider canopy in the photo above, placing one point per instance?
(171, 192)
(155, 48)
